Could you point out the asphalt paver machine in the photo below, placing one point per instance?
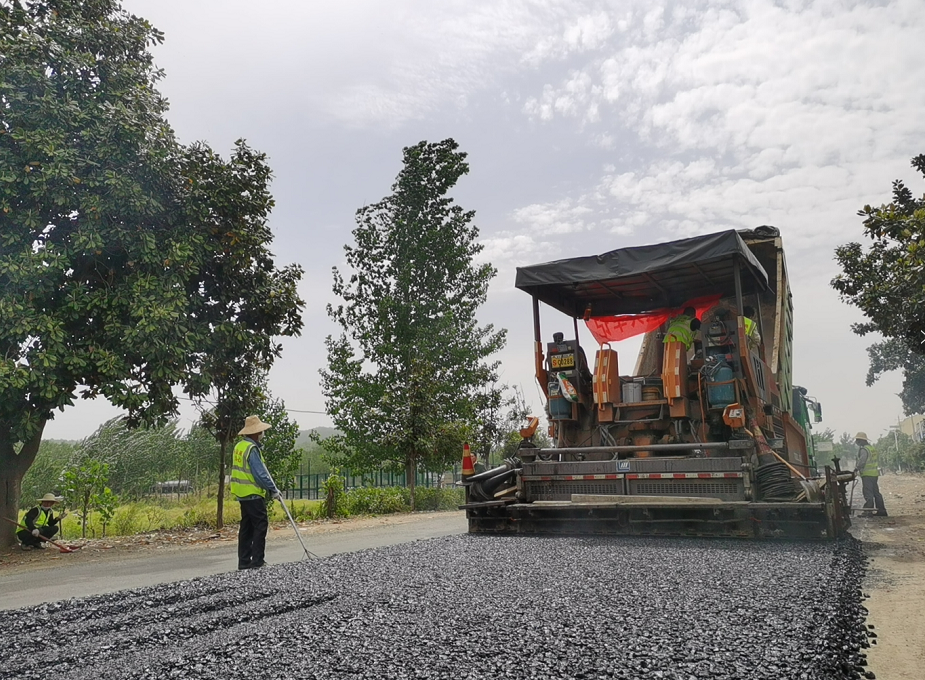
(707, 440)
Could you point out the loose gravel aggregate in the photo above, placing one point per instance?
(468, 607)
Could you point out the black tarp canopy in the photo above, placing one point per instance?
(645, 278)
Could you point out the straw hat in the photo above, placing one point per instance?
(48, 498)
(253, 425)
(862, 435)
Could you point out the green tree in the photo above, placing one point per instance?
(887, 283)
(896, 354)
(824, 458)
(406, 377)
(84, 478)
(45, 474)
(498, 423)
(238, 394)
(106, 503)
(139, 457)
(496, 414)
(333, 487)
(245, 301)
(314, 460)
(119, 248)
(85, 228)
(278, 443)
(228, 414)
(201, 454)
(898, 452)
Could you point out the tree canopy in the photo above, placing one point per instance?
(118, 245)
(887, 283)
(411, 370)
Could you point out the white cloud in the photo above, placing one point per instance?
(747, 111)
(443, 54)
(562, 217)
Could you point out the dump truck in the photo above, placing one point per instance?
(706, 436)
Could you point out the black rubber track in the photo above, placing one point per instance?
(474, 607)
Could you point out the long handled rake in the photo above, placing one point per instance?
(62, 548)
(851, 499)
(308, 553)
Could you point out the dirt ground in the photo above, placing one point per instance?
(125, 547)
(896, 577)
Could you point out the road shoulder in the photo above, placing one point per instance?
(111, 551)
(895, 580)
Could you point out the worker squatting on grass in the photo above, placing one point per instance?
(252, 486)
(40, 522)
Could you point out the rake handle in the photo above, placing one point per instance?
(62, 548)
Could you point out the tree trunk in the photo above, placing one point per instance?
(411, 477)
(219, 520)
(85, 510)
(13, 468)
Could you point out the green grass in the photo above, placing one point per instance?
(143, 517)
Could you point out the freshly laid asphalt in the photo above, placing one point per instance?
(474, 607)
(147, 568)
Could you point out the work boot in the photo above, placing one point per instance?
(867, 513)
(881, 514)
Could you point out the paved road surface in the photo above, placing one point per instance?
(27, 588)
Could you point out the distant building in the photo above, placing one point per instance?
(914, 426)
(174, 486)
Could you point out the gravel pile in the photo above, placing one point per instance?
(474, 607)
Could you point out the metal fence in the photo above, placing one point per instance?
(309, 486)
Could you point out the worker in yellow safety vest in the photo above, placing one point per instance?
(868, 468)
(683, 327)
(752, 337)
(40, 522)
(681, 331)
(252, 486)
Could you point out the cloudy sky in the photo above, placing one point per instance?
(589, 126)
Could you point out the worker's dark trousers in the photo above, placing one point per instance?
(871, 488)
(252, 536)
(26, 538)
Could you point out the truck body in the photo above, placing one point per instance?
(707, 439)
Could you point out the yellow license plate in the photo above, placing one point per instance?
(562, 360)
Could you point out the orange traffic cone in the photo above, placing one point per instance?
(468, 465)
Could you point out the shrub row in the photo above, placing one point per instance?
(383, 501)
(141, 517)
